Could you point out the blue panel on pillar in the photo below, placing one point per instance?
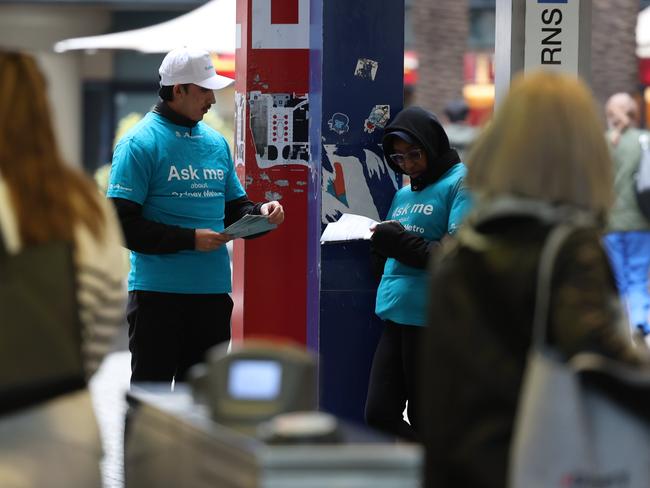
(349, 329)
(361, 90)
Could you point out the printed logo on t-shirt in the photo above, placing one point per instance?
(190, 173)
(187, 134)
(118, 187)
(416, 208)
(200, 179)
(406, 213)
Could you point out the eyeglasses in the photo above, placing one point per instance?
(412, 155)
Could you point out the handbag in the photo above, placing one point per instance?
(567, 432)
(642, 178)
(40, 329)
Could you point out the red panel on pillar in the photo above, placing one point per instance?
(284, 11)
(271, 156)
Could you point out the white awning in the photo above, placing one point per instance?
(211, 27)
(643, 34)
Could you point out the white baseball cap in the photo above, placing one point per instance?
(188, 65)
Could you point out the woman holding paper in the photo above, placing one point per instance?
(421, 215)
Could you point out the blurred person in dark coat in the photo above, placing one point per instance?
(544, 154)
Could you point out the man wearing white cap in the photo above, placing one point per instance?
(174, 185)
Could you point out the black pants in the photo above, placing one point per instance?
(394, 380)
(171, 332)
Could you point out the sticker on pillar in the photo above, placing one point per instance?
(366, 68)
(280, 127)
(240, 111)
(339, 123)
(378, 117)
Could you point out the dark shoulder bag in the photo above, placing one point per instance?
(642, 178)
(40, 329)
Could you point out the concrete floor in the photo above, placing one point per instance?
(108, 388)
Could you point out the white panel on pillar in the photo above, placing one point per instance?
(266, 35)
(552, 35)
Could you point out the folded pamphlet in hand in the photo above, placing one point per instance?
(249, 225)
(349, 227)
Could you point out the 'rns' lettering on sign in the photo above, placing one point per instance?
(552, 20)
(553, 33)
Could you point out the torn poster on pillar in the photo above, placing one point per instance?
(240, 112)
(339, 123)
(280, 127)
(349, 181)
(378, 117)
(272, 195)
(366, 68)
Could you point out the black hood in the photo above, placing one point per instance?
(426, 129)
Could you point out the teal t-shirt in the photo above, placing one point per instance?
(182, 177)
(431, 213)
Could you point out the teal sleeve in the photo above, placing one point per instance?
(130, 172)
(461, 204)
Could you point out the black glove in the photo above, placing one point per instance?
(392, 240)
(386, 238)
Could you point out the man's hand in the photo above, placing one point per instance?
(209, 240)
(275, 212)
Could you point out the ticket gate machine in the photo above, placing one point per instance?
(227, 434)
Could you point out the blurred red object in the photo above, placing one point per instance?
(224, 64)
(410, 68)
(644, 71)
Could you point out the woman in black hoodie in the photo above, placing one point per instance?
(421, 215)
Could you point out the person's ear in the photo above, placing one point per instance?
(178, 90)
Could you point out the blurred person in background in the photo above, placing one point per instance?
(628, 232)
(543, 160)
(51, 438)
(461, 134)
(420, 216)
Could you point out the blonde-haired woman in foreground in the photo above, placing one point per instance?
(49, 437)
(543, 160)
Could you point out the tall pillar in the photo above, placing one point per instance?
(317, 80)
(356, 88)
(271, 274)
(541, 34)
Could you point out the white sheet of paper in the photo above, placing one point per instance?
(249, 225)
(349, 227)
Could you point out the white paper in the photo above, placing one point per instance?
(349, 227)
(249, 225)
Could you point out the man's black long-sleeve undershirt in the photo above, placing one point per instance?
(149, 237)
